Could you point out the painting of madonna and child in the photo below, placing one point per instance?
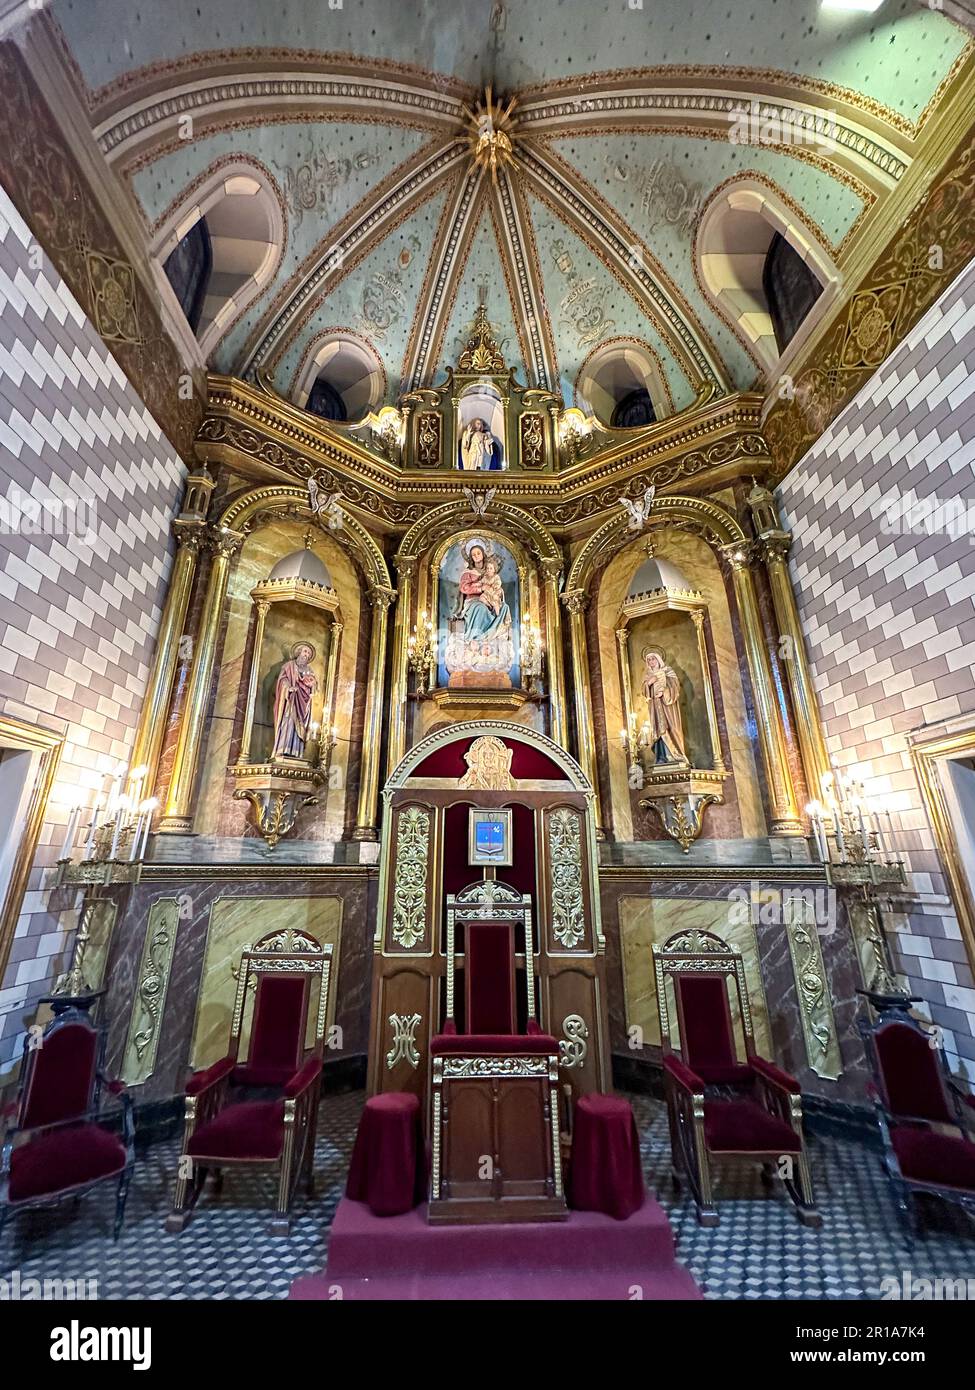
(478, 616)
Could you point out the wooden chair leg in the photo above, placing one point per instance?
(120, 1200)
(800, 1189)
(184, 1200)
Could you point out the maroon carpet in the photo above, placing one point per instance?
(590, 1256)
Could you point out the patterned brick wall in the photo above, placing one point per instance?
(80, 602)
(889, 614)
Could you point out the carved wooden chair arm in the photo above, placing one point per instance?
(679, 1072)
(306, 1076)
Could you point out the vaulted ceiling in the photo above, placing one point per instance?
(357, 117)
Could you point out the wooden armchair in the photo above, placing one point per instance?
(56, 1145)
(720, 1106)
(926, 1118)
(495, 1089)
(278, 1133)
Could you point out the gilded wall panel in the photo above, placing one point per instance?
(152, 983)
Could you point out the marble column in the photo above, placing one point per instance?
(398, 701)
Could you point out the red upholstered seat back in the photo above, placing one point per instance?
(61, 1075)
(706, 1035)
(280, 1017)
(911, 1075)
(490, 977)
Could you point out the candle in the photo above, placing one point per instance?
(813, 811)
(136, 778)
(147, 808)
(70, 833)
(134, 847)
(92, 827)
(840, 842)
(123, 806)
(880, 838)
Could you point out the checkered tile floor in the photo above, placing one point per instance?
(758, 1251)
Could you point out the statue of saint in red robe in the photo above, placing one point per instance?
(292, 703)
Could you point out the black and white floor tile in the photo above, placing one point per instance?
(759, 1250)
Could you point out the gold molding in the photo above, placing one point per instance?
(926, 755)
(47, 747)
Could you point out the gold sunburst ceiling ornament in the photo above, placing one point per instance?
(490, 133)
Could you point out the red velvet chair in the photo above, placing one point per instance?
(227, 1131)
(57, 1145)
(719, 1105)
(926, 1120)
(494, 1089)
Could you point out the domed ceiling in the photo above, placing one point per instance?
(362, 120)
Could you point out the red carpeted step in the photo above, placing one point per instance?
(387, 1257)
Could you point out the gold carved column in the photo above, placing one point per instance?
(245, 738)
(177, 816)
(771, 732)
(398, 703)
(809, 730)
(551, 569)
(190, 529)
(576, 602)
(365, 826)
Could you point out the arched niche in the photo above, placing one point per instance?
(689, 562)
(736, 229)
(271, 538)
(350, 365)
(613, 372)
(245, 221)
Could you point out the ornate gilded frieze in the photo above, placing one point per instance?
(565, 858)
(139, 1057)
(410, 882)
(933, 244)
(486, 1066)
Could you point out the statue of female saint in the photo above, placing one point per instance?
(661, 690)
(479, 450)
(293, 693)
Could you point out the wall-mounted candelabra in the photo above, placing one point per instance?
(531, 657)
(634, 740)
(115, 834)
(854, 839)
(421, 653)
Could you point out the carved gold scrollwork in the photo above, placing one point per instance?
(574, 1047)
(815, 1008)
(428, 439)
(565, 851)
(532, 440)
(404, 1048)
(154, 970)
(495, 1066)
(410, 886)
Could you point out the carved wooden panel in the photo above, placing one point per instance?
(532, 440)
(428, 439)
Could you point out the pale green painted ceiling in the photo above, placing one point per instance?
(413, 277)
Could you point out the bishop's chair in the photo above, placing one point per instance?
(495, 1140)
(718, 1105)
(58, 1144)
(225, 1126)
(927, 1122)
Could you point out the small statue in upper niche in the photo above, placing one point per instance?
(661, 690)
(479, 450)
(296, 685)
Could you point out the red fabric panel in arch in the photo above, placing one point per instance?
(457, 873)
(526, 762)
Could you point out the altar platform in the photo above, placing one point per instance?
(587, 1257)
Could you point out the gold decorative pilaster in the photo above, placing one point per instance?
(245, 738)
(332, 672)
(576, 601)
(152, 721)
(406, 570)
(626, 683)
(553, 654)
(145, 1021)
(812, 745)
(717, 757)
(177, 817)
(812, 991)
(771, 733)
(365, 827)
